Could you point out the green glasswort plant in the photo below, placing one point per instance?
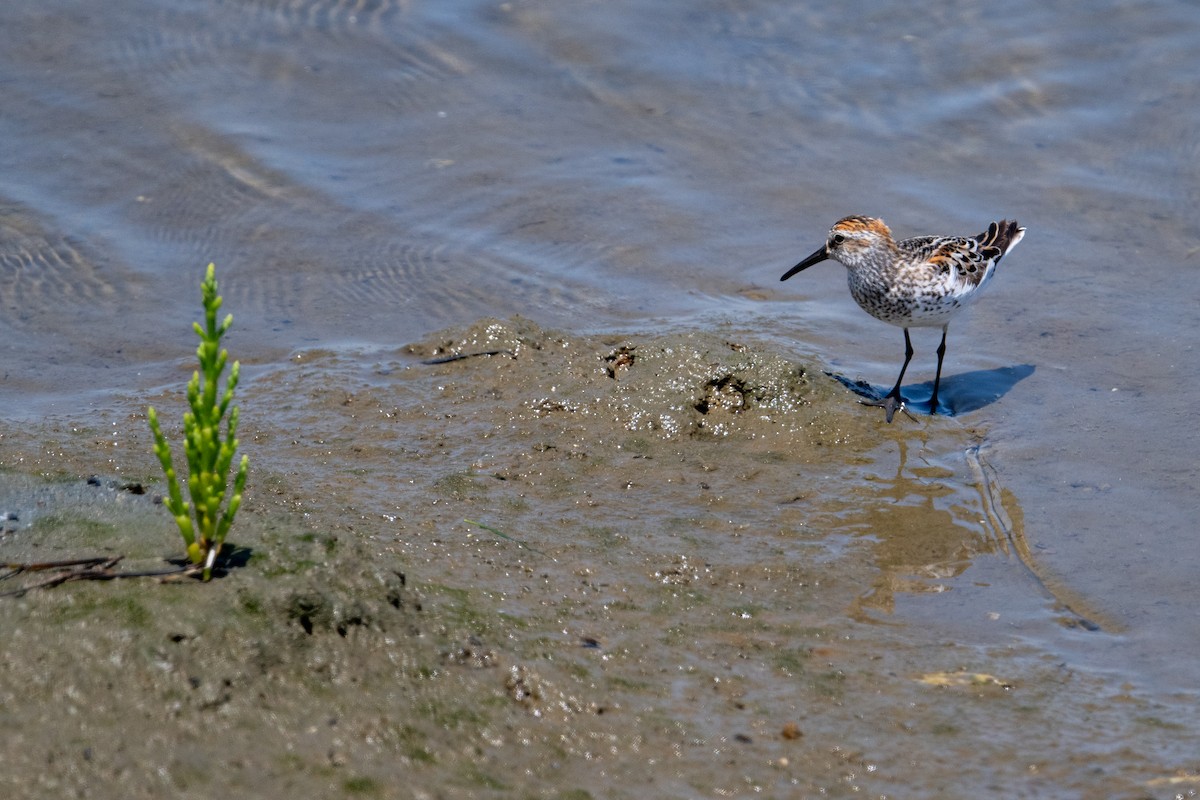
(209, 455)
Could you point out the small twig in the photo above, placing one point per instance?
(83, 569)
(503, 535)
(16, 568)
(460, 356)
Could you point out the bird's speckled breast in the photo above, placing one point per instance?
(906, 301)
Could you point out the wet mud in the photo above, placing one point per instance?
(507, 561)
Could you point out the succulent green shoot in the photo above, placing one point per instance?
(210, 454)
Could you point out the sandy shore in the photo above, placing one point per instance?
(546, 565)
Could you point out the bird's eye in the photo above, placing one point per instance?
(838, 238)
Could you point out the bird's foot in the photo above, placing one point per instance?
(890, 404)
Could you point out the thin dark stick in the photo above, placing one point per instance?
(461, 356)
(84, 569)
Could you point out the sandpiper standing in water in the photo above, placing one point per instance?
(913, 283)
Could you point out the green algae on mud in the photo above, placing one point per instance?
(717, 541)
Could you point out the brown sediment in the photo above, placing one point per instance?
(655, 564)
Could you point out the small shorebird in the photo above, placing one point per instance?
(913, 283)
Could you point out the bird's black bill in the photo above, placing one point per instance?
(815, 258)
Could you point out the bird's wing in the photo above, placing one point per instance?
(946, 254)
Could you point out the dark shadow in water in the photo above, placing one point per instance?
(959, 394)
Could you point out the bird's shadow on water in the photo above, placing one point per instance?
(959, 394)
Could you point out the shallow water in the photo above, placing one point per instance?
(364, 174)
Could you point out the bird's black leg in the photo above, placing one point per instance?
(892, 400)
(937, 378)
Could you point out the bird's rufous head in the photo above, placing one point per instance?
(848, 238)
